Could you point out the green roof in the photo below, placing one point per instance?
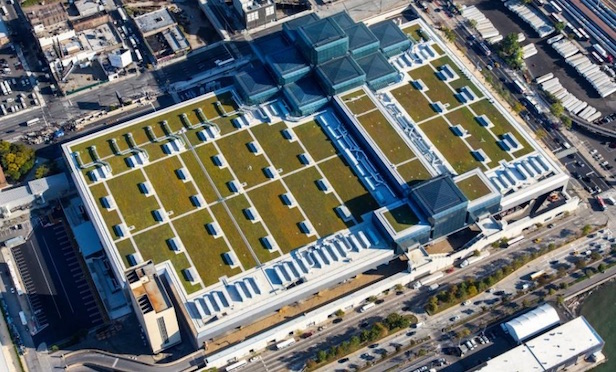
(401, 218)
(473, 187)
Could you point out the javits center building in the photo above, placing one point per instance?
(346, 146)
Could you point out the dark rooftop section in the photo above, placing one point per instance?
(388, 33)
(438, 194)
(271, 43)
(305, 91)
(375, 65)
(296, 23)
(360, 36)
(340, 69)
(322, 32)
(343, 19)
(254, 80)
(286, 61)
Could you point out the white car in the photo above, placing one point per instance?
(466, 303)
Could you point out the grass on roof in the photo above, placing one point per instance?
(111, 218)
(220, 176)
(414, 32)
(125, 248)
(414, 102)
(386, 137)
(458, 83)
(173, 118)
(452, 147)
(253, 231)
(247, 166)
(118, 164)
(438, 49)
(401, 217)
(172, 191)
(199, 177)
(205, 251)
(360, 105)
(315, 140)
(318, 206)
(348, 186)
(413, 172)
(438, 90)
(233, 236)
(280, 151)
(135, 207)
(501, 125)
(225, 124)
(281, 220)
(153, 245)
(355, 93)
(473, 187)
(154, 150)
(480, 137)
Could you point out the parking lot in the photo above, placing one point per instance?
(16, 86)
(60, 297)
(546, 60)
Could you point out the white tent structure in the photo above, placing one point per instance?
(532, 323)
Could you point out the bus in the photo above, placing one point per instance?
(601, 203)
(285, 343)
(515, 240)
(237, 365)
(32, 122)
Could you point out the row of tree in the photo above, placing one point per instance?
(392, 323)
(469, 288)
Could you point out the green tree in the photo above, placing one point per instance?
(586, 229)
(41, 171)
(557, 109)
(552, 292)
(321, 356)
(540, 133)
(567, 123)
(339, 313)
(16, 159)
(371, 299)
(449, 34)
(476, 253)
(472, 23)
(511, 51)
(601, 267)
(559, 26)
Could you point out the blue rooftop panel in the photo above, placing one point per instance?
(360, 37)
(296, 23)
(375, 65)
(343, 20)
(322, 32)
(388, 33)
(438, 195)
(269, 44)
(287, 61)
(305, 91)
(339, 70)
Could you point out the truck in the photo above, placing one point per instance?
(601, 203)
(122, 13)
(22, 317)
(285, 343)
(427, 280)
(366, 307)
(536, 275)
(433, 287)
(4, 11)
